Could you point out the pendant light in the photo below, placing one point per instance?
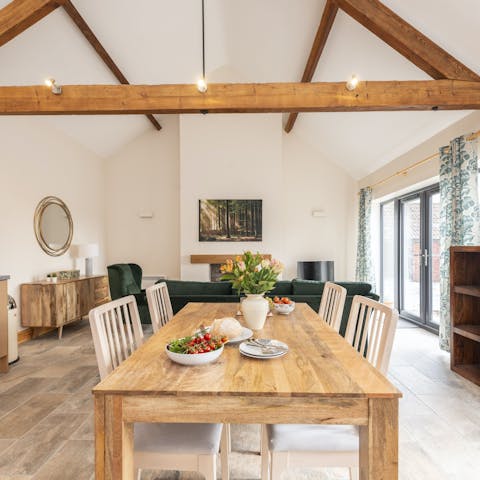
(202, 82)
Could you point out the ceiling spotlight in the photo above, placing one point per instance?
(202, 85)
(352, 83)
(56, 89)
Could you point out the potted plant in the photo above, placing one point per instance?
(253, 275)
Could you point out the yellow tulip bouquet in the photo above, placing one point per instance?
(251, 273)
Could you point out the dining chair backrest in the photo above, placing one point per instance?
(159, 305)
(371, 330)
(332, 303)
(116, 332)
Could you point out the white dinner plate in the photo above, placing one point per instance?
(256, 352)
(244, 335)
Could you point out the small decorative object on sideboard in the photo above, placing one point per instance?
(52, 277)
(67, 274)
(253, 275)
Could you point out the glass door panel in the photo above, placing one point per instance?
(410, 256)
(388, 270)
(433, 316)
(411, 250)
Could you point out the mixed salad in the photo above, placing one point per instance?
(202, 342)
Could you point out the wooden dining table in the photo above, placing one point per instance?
(321, 380)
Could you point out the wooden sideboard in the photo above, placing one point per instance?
(3, 325)
(53, 305)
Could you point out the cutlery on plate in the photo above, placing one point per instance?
(266, 345)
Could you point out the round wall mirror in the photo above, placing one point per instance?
(53, 226)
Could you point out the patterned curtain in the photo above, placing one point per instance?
(364, 268)
(459, 217)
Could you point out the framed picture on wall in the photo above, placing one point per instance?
(230, 220)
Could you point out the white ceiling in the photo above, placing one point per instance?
(158, 41)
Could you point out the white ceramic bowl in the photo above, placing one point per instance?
(193, 359)
(284, 308)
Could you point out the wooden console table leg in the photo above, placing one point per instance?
(379, 441)
(118, 442)
(4, 364)
(60, 332)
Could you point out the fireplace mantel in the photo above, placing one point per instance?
(215, 259)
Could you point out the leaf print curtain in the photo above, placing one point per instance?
(459, 217)
(364, 267)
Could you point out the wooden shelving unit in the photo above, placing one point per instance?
(465, 311)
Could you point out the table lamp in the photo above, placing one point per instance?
(86, 251)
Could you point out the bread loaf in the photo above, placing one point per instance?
(226, 327)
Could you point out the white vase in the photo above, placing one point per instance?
(255, 309)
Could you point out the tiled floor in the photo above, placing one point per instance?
(46, 415)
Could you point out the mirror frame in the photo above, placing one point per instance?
(42, 205)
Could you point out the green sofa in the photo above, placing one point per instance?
(307, 291)
(126, 279)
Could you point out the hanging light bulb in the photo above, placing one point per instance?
(352, 83)
(202, 82)
(202, 85)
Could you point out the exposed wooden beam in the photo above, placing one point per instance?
(87, 32)
(328, 17)
(18, 15)
(241, 98)
(407, 40)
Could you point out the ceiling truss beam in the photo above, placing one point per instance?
(328, 17)
(407, 40)
(87, 32)
(241, 98)
(19, 15)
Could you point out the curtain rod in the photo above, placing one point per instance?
(405, 171)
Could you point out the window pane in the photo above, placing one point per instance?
(411, 256)
(388, 254)
(435, 257)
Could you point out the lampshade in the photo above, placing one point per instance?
(88, 250)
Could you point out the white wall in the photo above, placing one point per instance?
(424, 173)
(249, 156)
(230, 157)
(37, 161)
(144, 177)
(314, 183)
(226, 156)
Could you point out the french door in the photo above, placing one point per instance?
(410, 256)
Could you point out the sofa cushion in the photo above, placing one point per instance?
(282, 287)
(132, 288)
(307, 287)
(182, 287)
(357, 288)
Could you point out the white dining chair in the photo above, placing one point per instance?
(117, 333)
(159, 305)
(370, 330)
(332, 303)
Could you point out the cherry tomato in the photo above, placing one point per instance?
(207, 349)
(207, 337)
(200, 350)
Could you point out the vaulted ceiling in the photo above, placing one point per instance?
(159, 41)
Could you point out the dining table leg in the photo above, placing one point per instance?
(117, 445)
(379, 441)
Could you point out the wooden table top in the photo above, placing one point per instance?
(319, 363)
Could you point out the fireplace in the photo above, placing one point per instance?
(215, 272)
(216, 260)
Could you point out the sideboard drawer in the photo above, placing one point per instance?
(101, 293)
